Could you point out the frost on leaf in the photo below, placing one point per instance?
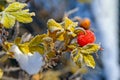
(16, 6)
(15, 12)
(90, 49)
(84, 54)
(7, 20)
(89, 61)
(55, 30)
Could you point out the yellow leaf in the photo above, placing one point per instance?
(60, 37)
(37, 48)
(51, 54)
(72, 34)
(35, 44)
(55, 36)
(55, 30)
(89, 61)
(47, 40)
(24, 48)
(7, 20)
(54, 26)
(17, 40)
(8, 45)
(1, 73)
(37, 40)
(72, 46)
(23, 16)
(69, 24)
(77, 57)
(67, 38)
(90, 48)
(15, 6)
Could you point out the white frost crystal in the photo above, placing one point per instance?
(31, 63)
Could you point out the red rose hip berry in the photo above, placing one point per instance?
(85, 23)
(84, 39)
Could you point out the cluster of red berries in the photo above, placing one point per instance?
(89, 36)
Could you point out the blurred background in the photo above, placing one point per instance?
(104, 16)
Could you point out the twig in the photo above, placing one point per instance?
(8, 78)
(71, 12)
(12, 69)
(16, 30)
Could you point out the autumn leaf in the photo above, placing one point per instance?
(90, 48)
(24, 48)
(1, 73)
(55, 30)
(48, 47)
(37, 40)
(80, 54)
(77, 57)
(22, 16)
(89, 61)
(7, 20)
(54, 26)
(69, 24)
(17, 40)
(15, 12)
(16, 6)
(7, 45)
(37, 48)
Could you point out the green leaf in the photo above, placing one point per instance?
(90, 49)
(89, 61)
(23, 16)
(15, 7)
(7, 20)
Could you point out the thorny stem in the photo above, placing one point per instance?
(2, 42)
(16, 31)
